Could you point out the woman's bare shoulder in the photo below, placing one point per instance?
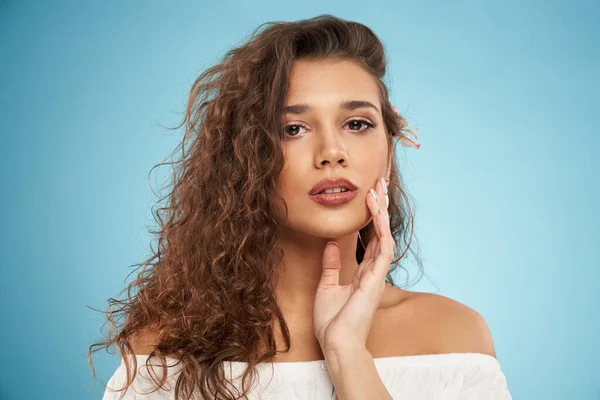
(433, 323)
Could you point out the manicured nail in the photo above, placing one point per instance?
(374, 194)
(384, 186)
(387, 201)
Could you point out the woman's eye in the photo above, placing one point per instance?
(358, 122)
(287, 130)
(353, 123)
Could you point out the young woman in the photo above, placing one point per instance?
(273, 276)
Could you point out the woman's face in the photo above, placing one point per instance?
(327, 140)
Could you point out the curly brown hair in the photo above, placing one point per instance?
(208, 290)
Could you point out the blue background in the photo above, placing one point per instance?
(505, 184)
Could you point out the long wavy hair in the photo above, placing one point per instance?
(207, 291)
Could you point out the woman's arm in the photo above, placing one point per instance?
(354, 376)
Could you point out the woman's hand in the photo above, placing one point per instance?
(342, 315)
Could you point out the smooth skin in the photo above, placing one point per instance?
(343, 314)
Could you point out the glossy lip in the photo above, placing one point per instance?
(334, 199)
(332, 183)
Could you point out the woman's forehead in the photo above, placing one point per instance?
(319, 83)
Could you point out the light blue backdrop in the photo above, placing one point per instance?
(505, 184)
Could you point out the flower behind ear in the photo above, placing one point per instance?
(405, 140)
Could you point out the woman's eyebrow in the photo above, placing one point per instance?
(344, 105)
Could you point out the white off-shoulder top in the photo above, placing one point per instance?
(452, 376)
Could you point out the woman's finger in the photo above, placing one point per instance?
(330, 273)
(386, 241)
(371, 251)
(373, 203)
(382, 191)
(379, 204)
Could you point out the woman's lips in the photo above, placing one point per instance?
(333, 199)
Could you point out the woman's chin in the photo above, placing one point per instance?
(335, 232)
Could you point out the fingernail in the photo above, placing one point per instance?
(384, 186)
(374, 194)
(387, 201)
